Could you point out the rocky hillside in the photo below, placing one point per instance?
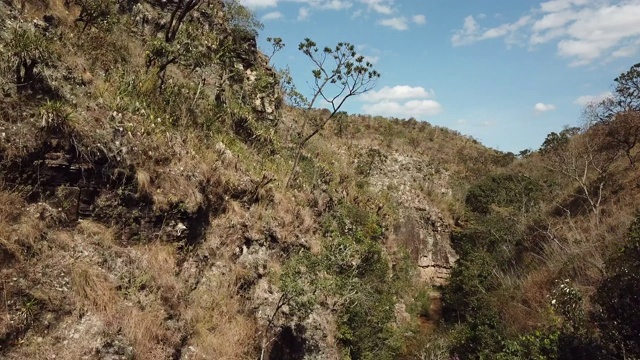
(145, 150)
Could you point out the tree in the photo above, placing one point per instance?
(618, 117)
(95, 12)
(556, 141)
(180, 11)
(192, 47)
(577, 154)
(622, 133)
(276, 45)
(242, 21)
(628, 89)
(339, 74)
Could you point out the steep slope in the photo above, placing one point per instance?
(143, 207)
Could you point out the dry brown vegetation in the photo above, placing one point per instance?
(144, 214)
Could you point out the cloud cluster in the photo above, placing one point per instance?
(582, 30)
(401, 101)
(385, 8)
(274, 15)
(402, 22)
(542, 107)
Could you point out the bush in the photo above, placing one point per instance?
(97, 13)
(24, 49)
(350, 274)
(514, 191)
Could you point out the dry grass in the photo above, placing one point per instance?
(148, 332)
(96, 233)
(94, 291)
(20, 231)
(159, 266)
(143, 183)
(145, 328)
(222, 328)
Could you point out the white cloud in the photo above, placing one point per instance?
(467, 34)
(397, 23)
(585, 100)
(380, 6)
(560, 5)
(335, 5)
(419, 19)
(542, 107)
(303, 13)
(317, 4)
(626, 51)
(274, 15)
(471, 31)
(399, 92)
(412, 108)
(584, 31)
(401, 101)
(258, 4)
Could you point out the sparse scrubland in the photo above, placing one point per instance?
(166, 194)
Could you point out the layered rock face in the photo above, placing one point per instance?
(423, 229)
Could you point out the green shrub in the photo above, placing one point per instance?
(351, 275)
(97, 13)
(24, 49)
(539, 345)
(55, 115)
(516, 192)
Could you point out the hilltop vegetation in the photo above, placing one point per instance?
(166, 194)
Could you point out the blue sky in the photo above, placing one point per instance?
(506, 72)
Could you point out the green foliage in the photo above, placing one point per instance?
(422, 303)
(350, 274)
(479, 338)
(557, 141)
(627, 89)
(488, 245)
(539, 345)
(242, 21)
(25, 48)
(192, 48)
(515, 191)
(567, 302)
(341, 68)
(276, 45)
(466, 295)
(56, 115)
(97, 13)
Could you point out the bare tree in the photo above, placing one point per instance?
(340, 73)
(577, 154)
